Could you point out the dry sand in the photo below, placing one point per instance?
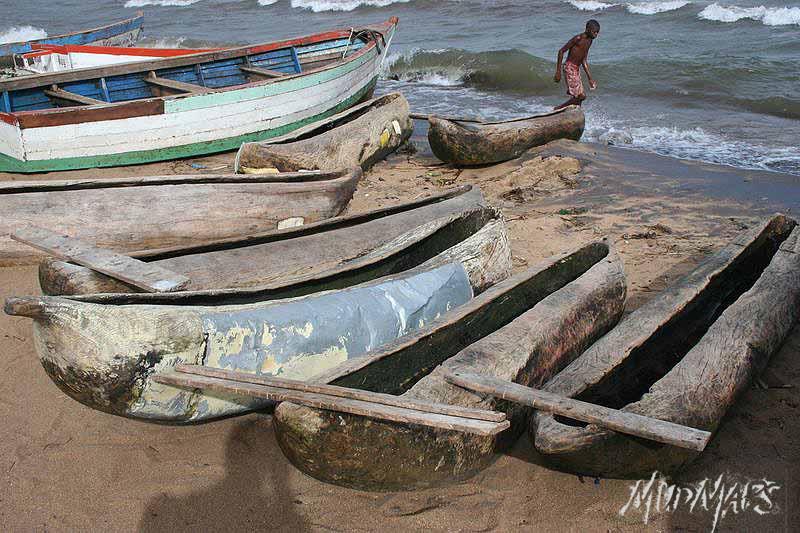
(64, 466)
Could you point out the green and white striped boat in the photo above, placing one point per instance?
(185, 106)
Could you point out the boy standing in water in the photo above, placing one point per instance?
(578, 48)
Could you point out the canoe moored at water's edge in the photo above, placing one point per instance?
(123, 33)
(154, 212)
(684, 357)
(525, 328)
(334, 253)
(102, 350)
(362, 135)
(473, 143)
(185, 106)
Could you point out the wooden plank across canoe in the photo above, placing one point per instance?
(147, 276)
(175, 85)
(267, 73)
(613, 419)
(60, 94)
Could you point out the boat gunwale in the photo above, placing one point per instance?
(479, 125)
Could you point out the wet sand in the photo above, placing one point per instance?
(65, 466)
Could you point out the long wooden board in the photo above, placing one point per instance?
(622, 422)
(147, 276)
(378, 411)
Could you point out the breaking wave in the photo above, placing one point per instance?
(163, 3)
(638, 8)
(17, 34)
(769, 16)
(319, 6)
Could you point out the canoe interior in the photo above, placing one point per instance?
(213, 74)
(658, 354)
(399, 366)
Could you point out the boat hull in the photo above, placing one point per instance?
(126, 215)
(684, 357)
(466, 144)
(545, 316)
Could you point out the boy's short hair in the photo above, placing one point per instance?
(593, 25)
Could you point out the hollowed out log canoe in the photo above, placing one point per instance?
(360, 136)
(103, 350)
(525, 329)
(684, 357)
(155, 212)
(471, 144)
(331, 254)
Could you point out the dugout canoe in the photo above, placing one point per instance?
(102, 350)
(334, 253)
(155, 212)
(360, 136)
(524, 329)
(186, 106)
(123, 33)
(483, 143)
(684, 357)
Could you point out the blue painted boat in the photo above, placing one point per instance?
(123, 33)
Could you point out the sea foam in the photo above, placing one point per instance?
(652, 8)
(769, 16)
(318, 6)
(17, 34)
(591, 5)
(163, 3)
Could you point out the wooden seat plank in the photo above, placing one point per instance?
(55, 92)
(175, 85)
(147, 276)
(262, 71)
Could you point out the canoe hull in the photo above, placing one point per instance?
(714, 367)
(465, 144)
(360, 136)
(179, 210)
(369, 454)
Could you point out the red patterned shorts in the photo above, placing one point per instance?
(572, 75)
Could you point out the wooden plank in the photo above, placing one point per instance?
(6, 103)
(296, 61)
(421, 116)
(152, 79)
(620, 421)
(335, 403)
(146, 276)
(61, 94)
(104, 88)
(262, 71)
(343, 392)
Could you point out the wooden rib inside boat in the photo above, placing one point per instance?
(330, 254)
(362, 135)
(684, 357)
(180, 210)
(102, 350)
(525, 328)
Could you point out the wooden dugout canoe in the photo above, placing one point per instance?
(102, 350)
(185, 106)
(333, 253)
(525, 328)
(684, 357)
(154, 212)
(123, 33)
(483, 143)
(360, 136)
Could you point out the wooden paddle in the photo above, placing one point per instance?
(613, 419)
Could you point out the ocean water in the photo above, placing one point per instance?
(713, 81)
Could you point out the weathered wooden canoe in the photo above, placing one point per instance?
(153, 212)
(525, 328)
(102, 349)
(188, 105)
(684, 357)
(330, 254)
(122, 33)
(362, 135)
(48, 58)
(482, 143)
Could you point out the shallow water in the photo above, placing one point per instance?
(714, 81)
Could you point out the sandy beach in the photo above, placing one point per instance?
(66, 467)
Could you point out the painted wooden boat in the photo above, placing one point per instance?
(362, 135)
(138, 213)
(185, 106)
(123, 33)
(333, 253)
(473, 143)
(684, 357)
(525, 328)
(50, 58)
(103, 350)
